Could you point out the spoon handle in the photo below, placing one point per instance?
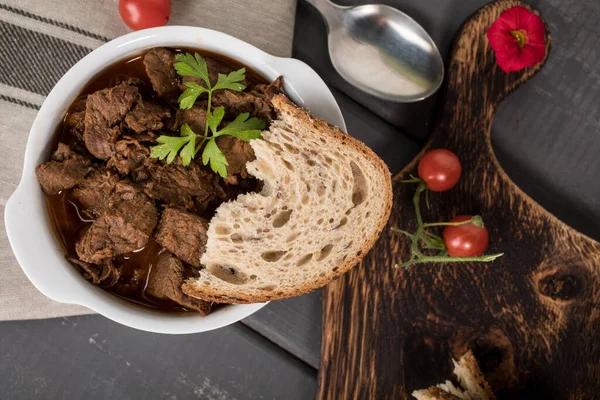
(330, 11)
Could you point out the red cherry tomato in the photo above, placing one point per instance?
(142, 14)
(440, 169)
(467, 240)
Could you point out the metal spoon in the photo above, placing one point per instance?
(382, 51)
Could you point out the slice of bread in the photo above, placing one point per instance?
(435, 393)
(471, 379)
(325, 200)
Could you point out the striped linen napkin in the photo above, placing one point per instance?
(41, 40)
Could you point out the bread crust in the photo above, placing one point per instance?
(283, 105)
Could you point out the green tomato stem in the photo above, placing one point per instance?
(208, 110)
(413, 179)
(428, 225)
(432, 247)
(416, 199)
(418, 234)
(432, 236)
(446, 259)
(432, 241)
(410, 235)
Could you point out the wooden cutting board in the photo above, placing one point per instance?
(532, 318)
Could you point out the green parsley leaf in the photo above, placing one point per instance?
(170, 145)
(231, 81)
(214, 119)
(247, 135)
(168, 148)
(192, 65)
(186, 130)
(188, 152)
(188, 97)
(215, 156)
(244, 128)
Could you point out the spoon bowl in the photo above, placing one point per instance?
(382, 51)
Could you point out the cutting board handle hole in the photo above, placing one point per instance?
(561, 286)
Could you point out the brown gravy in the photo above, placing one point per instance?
(63, 210)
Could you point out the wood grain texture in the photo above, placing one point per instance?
(532, 318)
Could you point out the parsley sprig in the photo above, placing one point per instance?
(189, 143)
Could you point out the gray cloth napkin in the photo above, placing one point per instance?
(41, 40)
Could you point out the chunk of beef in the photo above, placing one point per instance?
(100, 140)
(188, 187)
(195, 117)
(236, 103)
(105, 109)
(257, 102)
(75, 123)
(183, 234)
(147, 138)
(238, 153)
(146, 116)
(94, 192)
(109, 106)
(126, 225)
(105, 275)
(159, 67)
(65, 170)
(164, 282)
(129, 156)
(79, 104)
(269, 90)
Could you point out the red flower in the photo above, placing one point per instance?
(519, 39)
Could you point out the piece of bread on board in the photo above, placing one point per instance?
(471, 379)
(326, 198)
(434, 393)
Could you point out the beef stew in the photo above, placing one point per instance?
(130, 223)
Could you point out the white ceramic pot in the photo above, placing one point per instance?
(27, 223)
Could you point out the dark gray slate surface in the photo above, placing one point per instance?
(91, 357)
(294, 324)
(547, 137)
